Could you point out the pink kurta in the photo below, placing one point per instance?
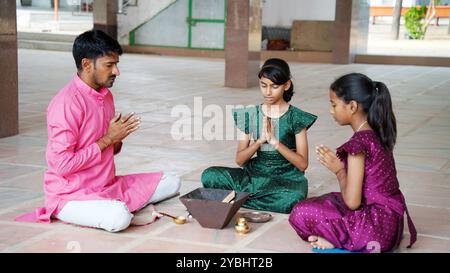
(77, 170)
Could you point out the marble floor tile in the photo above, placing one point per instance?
(289, 241)
(11, 197)
(84, 240)
(425, 244)
(32, 181)
(11, 235)
(10, 171)
(430, 220)
(166, 246)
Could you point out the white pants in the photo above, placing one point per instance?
(113, 215)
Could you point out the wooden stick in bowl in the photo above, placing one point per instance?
(229, 197)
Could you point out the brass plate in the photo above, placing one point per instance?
(256, 216)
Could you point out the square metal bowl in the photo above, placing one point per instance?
(206, 206)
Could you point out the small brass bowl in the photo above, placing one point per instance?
(242, 226)
(179, 220)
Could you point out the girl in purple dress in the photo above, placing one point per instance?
(368, 212)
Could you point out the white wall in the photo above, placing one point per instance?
(281, 13)
(48, 3)
(138, 15)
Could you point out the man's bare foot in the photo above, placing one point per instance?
(320, 243)
(145, 216)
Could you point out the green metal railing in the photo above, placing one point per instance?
(191, 22)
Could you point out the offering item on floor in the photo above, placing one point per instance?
(256, 216)
(207, 207)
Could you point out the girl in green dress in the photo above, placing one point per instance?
(275, 177)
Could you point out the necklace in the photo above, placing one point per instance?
(360, 126)
(276, 110)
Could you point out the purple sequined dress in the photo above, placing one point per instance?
(378, 223)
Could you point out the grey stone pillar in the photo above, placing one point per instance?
(9, 98)
(351, 27)
(105, 16)
(243, 45)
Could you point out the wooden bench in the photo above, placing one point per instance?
(375, 11)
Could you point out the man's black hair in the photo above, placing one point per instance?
(93, 44)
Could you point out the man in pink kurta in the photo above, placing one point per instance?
(83, 135)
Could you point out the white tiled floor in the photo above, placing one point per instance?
(153, 85)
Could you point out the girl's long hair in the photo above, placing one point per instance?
(375, 99)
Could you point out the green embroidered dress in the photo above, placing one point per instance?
(273, 182)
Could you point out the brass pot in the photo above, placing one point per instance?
(242, 227)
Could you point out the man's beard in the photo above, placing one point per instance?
(108, 83)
